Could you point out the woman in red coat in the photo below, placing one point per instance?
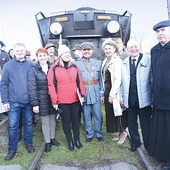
(63, 81)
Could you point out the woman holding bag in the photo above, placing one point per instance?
(63, 81)
(111, 71)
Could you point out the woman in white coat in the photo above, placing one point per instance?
(111, 71)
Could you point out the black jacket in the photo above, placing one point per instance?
(38, 90)
(4, 57)
(160, 62)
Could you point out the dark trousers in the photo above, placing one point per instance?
(70, 120)
(145, 120)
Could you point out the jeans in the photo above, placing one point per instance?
(16, 109)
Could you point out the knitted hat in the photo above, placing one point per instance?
(62, 49)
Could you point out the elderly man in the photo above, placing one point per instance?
(90, 70)
(136, 93)
(51, 52)
(160, 62)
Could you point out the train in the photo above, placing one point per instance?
(84, 24)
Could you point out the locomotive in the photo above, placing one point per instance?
(84, 24)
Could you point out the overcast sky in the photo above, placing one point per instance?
(17, 17)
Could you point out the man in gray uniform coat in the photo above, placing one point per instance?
(90, 69)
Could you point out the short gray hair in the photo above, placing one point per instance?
(19, 44)
(132, 42)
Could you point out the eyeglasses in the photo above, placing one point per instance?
(88, 49)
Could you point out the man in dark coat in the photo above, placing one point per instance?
(160, 128)
(4, 57)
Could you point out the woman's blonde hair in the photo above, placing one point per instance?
(61, 62)
(111, 43)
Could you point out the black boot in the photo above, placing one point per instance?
(47, 147)
(55, 143)
(78, 144)
(71, 146)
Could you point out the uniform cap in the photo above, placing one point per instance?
(76, 47)
(62, 49)
(28, 53)
(85, 45)
(50, 45)
(2, 44)
(161, 24)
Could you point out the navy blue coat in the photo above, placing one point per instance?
(14, 82)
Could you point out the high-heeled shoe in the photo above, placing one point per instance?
(122, 138)
(116, 138)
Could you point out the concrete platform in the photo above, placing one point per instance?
(11, 167)
(116, 166)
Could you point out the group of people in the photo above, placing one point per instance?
(129, 85)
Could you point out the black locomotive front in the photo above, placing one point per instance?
(84, 24)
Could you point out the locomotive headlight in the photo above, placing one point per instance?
(113, 27)
(56, 28)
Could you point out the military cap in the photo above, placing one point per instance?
(86, 45)
(50, 45)
(28, 53)
(2, 44)
(76, 47)
(161, 24)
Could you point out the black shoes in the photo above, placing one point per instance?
(47, 147)
(100, 139)
(78, 144)
(9, 156)
(70, 146)
(165, 166)
(55, 143)
(30, 149)
(88, 140)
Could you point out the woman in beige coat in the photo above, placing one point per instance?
(111, 71)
